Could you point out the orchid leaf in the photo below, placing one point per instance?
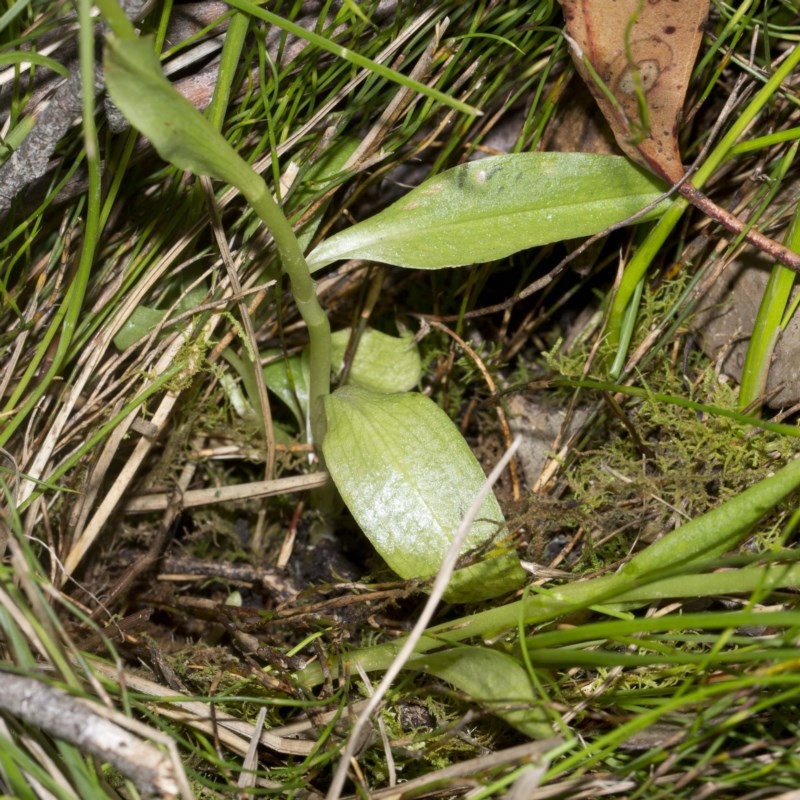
(408, 478)
(173, 125)
(287, 379)
(488, 209)
(381, 362)
(144, 319)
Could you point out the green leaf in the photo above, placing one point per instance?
(141, 321)
(144, 319)
(288, 380)
(491, 208)
(173, 125)
(381, 363)
(408, 478)
(494, 680)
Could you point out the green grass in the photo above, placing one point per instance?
(661, 689)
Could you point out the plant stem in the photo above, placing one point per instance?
(305, 296)
(185, 138)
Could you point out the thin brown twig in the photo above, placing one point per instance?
(773, 249)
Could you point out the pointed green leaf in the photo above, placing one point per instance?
(408, 478)
(491, 208)
(288, 380)
(179, 133)
(494, 680)
(381, 363)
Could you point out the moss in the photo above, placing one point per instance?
(648, 464)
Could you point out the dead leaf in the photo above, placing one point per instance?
(636, 57)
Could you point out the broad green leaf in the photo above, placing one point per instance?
(494, 680)
(491, 208)
(408, 478)
(173, 125)
(381, 363)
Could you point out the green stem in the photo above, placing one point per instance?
(305, 296)
(188, 140)
(545, 607)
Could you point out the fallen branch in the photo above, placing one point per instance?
(88, 726)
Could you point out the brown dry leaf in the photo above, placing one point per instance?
(639, 49)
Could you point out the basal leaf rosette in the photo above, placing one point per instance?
(408, 478)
